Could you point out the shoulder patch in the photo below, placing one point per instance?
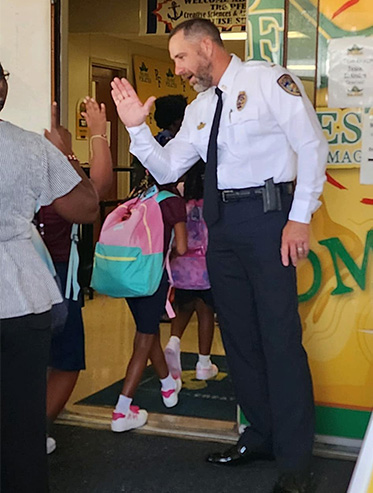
(288, 85)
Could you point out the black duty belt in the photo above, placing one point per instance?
(235, 194)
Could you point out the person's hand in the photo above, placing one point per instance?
(59, 136)
(295, 242)
(95, 116)
(130, 109)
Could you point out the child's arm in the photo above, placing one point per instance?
(181, 238)
(101, 172)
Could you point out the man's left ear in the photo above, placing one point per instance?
(207, 46)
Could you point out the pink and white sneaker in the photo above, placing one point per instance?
(206, 373)
(171, 397)
(172, 356)
(135, 418)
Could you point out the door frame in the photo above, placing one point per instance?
(123, 139)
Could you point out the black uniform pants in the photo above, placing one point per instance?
(25, 343)
(256, 301)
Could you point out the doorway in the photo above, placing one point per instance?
(101, 91)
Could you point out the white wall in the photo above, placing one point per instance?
(25, 51)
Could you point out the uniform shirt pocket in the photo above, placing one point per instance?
(241, 128)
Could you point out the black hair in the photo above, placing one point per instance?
(197, 28)
(147, 182)
(169, 109)
(193, 184)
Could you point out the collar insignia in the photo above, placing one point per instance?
(201, 126)
(288, 85)
(241, 100)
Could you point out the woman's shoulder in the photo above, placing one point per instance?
(13, 130)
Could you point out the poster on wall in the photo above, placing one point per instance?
(350, 72)
(343, 131)
(157, 78)
(163, 15)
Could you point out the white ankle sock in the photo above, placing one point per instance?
(123, 404)
(204, 360)
(174, 340)
(168, 383)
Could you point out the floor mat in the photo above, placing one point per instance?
(211, 399)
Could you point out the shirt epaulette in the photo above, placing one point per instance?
(256, 63)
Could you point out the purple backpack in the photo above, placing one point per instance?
(189, 271)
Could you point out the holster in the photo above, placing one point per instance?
(271, 196)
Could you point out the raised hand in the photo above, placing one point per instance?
(59, 136)
(95, 116)
(130, 109)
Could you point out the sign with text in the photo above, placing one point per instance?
(350, 72)
(164, 15)
(343, 130)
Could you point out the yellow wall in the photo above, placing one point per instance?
(108, 50)
(338, 328)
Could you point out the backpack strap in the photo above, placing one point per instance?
(169, 310)
(164, 194)
(150, 192)
(159, 197)
(72, 270)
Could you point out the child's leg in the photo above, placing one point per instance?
(157, 358)
(170, 386)
(205, 369)
(141, 352)
(205, 315)
(184, 313)
(124, 417)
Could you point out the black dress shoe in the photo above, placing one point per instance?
(238, 454)
(295, 483)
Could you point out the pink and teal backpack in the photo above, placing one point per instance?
(128, 260)
(189, 271)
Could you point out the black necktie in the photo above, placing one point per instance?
(211, 195)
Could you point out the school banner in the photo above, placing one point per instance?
(157, 78)
(161, 16)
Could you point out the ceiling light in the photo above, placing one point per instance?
(233, 36)
(296, 34)
(301, 67)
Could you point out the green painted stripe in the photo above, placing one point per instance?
(333, 421)
(348, 423)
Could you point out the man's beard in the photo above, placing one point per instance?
(203, 77)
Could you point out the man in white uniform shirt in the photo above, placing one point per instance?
(267, 135)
